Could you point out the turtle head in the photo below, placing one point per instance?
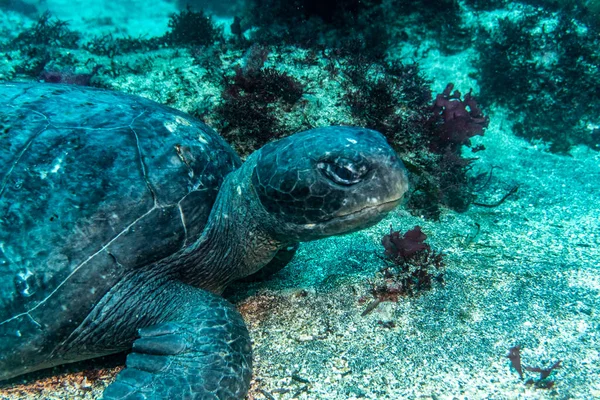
(326, 181)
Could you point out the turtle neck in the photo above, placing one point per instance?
(234, 243)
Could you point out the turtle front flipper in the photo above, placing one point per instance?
(202, 351)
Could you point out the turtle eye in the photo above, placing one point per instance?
(342, 171)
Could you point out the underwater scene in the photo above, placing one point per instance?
(300, 199)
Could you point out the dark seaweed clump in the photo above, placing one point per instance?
(42, 48)
(186, 28)
(585, 11)
(485, 5)
(411, 267)
(543, 382)
(42, 51)
(48, 31)
(42, 44)
(323, 23)
(191, 28)
(252, 100)
(328, 23)
(394, 98)
(544, 68)
(454, 121)
(411, 263)
(110, 46)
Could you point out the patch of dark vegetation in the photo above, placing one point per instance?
(395, 99)
(310, 23)
(39, 46)
(411, 267)
(43, 49)
(193, 28)
(514, 355)
(378, 94)
(217, 7)
(544, 68)
(336, 13)
(186, 28)
(253, 99)
(109, 46)
(588, 12)
(485, 5)
(451, 126)
(441, 181)
(459, 120)
(47, 31)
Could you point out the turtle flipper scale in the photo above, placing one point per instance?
(203, 352)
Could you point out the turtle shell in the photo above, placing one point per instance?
(93, 185)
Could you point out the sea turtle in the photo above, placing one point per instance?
(122, 220)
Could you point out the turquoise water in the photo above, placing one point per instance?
(503, 180)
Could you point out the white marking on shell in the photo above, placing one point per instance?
(6, 254)
(182, 121)
(182, 217)
(373, 200)
(93, 290)
(22, 283)
(56, 166)
(171, 126)
(239, 190)
(353, 141)
(202, 139)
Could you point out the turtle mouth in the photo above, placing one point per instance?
(345, 223)
(356, 220)
(380, 208)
